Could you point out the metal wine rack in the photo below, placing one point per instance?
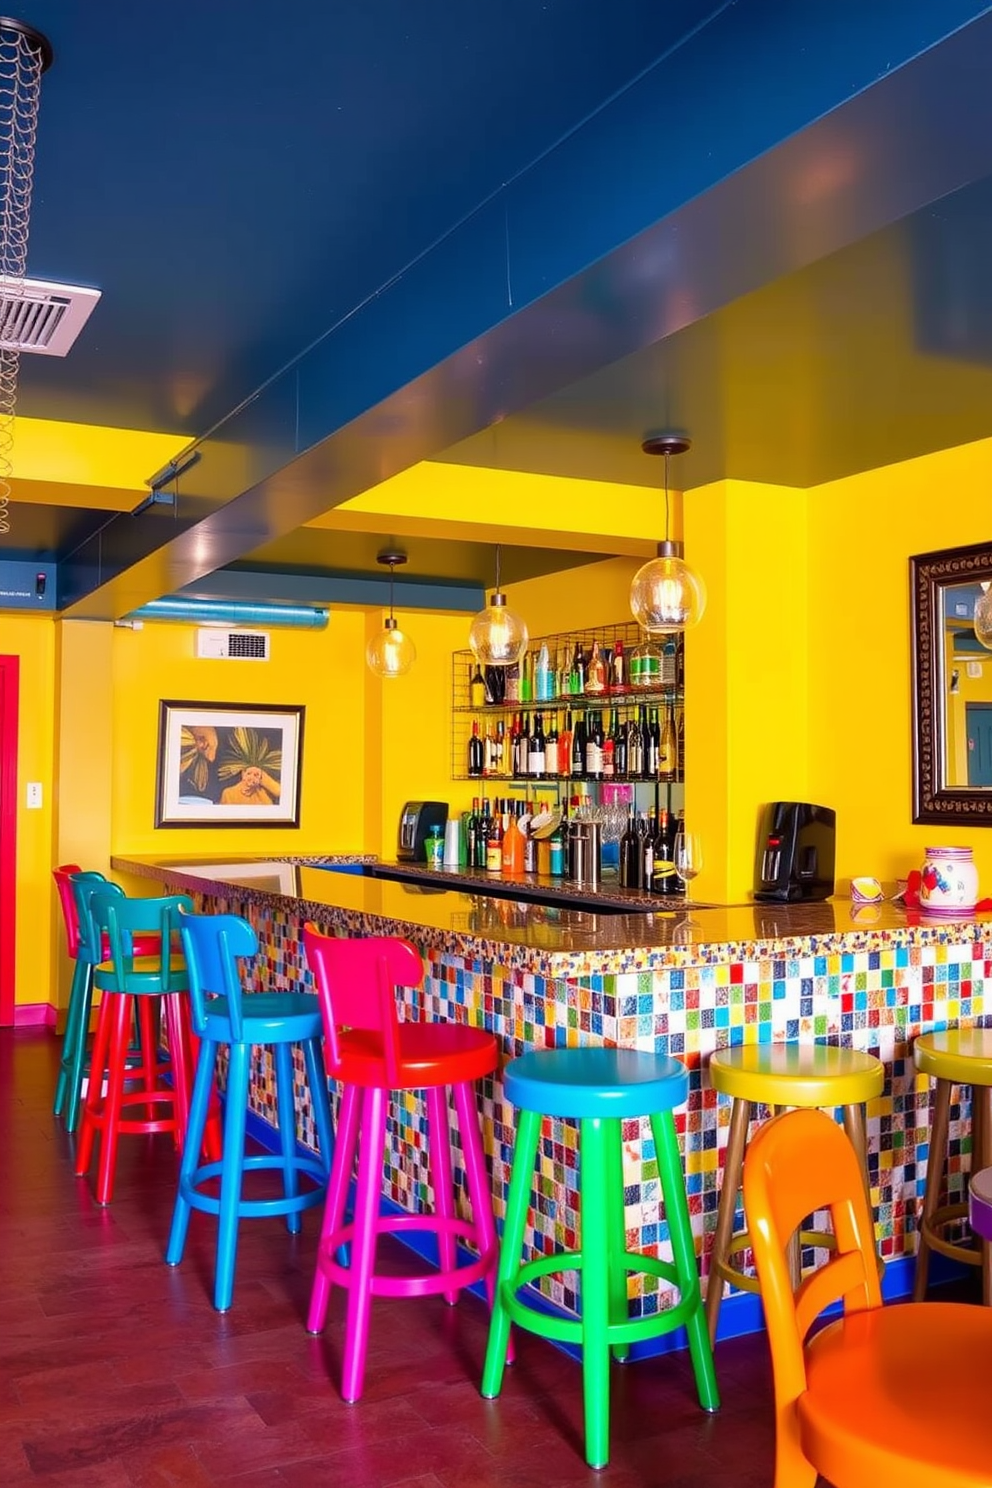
(627, 700)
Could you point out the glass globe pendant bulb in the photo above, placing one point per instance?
(983, 619)
(665, 594)
(391, 652)
(497, 636)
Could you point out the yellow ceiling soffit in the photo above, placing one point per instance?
(342, 520)
(50, 454)
(491, 501)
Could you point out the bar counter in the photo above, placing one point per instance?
(681, 981)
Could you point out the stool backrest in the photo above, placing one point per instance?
(213, 945)
(63, 882)
(123, 920)
(356, 982)
(798, 1163)
(89, 941)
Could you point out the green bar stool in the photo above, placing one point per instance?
(598, 1088)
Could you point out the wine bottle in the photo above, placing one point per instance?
(635, 749)
(619, 736)
(618, 680)
(475, 753)
(523, 747)
(494, 844)
(542, 675)
(535, 753)
(482, 835)
(551, 746)
(579, 748)
(476, 687)
(668, 747)
(472, 832)
(565, 748)
(647, 851)
(680, 743)
(594, 747)
(630, 853)
(512, 693)
(646, 756)
(654, 746)
(664, 880)
(577, 676)
(668, 663)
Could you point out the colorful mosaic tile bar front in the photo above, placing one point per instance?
(873, 1000)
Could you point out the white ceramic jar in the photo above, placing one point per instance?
(949, 884)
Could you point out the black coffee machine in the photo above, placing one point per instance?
(795, 858)
(417, 820)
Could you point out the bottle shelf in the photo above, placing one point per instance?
(584, 702)
(576, 780)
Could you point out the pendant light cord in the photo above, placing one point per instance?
(392, 570)
(497, 568)
(667, 530)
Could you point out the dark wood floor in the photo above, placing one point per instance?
(117, 1371)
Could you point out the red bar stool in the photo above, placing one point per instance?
(85, 951)
(372, 1053)
(131, 986)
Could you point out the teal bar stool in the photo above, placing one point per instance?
(223, 1014)
(599, 1088)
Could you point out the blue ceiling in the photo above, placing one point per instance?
(334, 240)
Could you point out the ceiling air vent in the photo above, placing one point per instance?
(233, 645)
(41, 317)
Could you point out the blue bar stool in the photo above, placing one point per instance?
(222, 1014)
(599, 1088)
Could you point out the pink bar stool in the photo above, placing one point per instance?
(372, 1053)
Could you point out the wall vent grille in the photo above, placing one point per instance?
(233, 645)
(42, 317)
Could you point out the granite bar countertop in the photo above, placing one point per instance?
(549, 939)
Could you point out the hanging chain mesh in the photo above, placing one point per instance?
(22, 62)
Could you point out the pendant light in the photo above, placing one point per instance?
(665, 594)
(497, 637)
(391, 652)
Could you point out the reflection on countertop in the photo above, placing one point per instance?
(549, 938)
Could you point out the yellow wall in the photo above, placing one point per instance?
(32, 639)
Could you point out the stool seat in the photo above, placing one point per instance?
(595, 1082)
(782, 1075)
(807, 1075)
(428, 1054)
(962, 1055)
(290, 1017)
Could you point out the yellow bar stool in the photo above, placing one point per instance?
(782, 1076)
(955, 1056)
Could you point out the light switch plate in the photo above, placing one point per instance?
(33, 795)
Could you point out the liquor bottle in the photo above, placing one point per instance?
(635, 749)
(475, 754)
(647, 850)
(594, 747)
(512, 694)
(535, 752)
(476, 687)
(664, 880)
(513, 844)
(542, 675)
(619, 736)
(556, 849)
(472, 832)
(596, 671)
(647, 771)
(494, 843)
(654, 746)
(526, 678)
(523, 747)
(680, 743)
(530, 846)
(630, 853)
(482, 836)
(668, 747)
(551, 746)
(579, 749)
(609, 751)
(668, 663)
(500, 760)
(577, 675)
(680, 663)
(495, 680)
(618, 678)
(565, 748)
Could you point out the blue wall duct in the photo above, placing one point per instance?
(232, 612)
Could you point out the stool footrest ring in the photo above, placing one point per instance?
(570, 1330)
(955, 1250)
(422, 1284)
(303, 1166)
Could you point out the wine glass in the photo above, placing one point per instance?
(688, 856)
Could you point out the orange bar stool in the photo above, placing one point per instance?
(956, 1056)
(781, 1076)
(372, 1053)
(223, 1015)
(133, 985)
(886, 1395)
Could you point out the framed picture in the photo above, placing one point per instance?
(228, 765)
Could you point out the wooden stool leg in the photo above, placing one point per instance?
(935, 1174)
(855, 1126)
(740, 1115)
